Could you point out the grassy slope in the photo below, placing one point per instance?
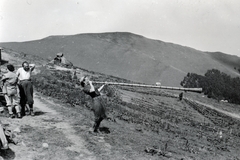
(229, 60)
(151, 118)
(125, 55)
(141, 118)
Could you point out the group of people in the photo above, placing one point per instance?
(17, 89)
(60, 60)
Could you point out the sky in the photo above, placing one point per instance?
(206, 25)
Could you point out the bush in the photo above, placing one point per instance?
(215, 84)
(58, 84)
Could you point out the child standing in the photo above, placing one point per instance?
(11, 91)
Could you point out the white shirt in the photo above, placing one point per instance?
(24, 75)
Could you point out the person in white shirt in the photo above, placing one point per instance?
(25, 86)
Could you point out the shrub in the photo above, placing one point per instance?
(215, 84)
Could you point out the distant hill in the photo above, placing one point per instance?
(127, 55)
(226, 59)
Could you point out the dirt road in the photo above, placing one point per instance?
(50, 127)
(230, 114)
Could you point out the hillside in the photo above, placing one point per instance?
(228, 60)
(126, 55)
(142, 123)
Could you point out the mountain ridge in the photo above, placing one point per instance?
(126, 55)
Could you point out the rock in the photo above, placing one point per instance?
(23, 144)
(18, 130)
(168, 154)
(45, 145)
(1, 109)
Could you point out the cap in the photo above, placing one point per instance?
(10, 67)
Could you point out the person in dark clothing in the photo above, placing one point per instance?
(98, 108)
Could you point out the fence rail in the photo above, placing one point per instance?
(198, 90)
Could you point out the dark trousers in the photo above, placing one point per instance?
(97, 123)
(99, 112)
(26, 95)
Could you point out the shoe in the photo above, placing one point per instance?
(1, 109)
(5, 147)
(32, 113)
(93, 133)
(27, 113)
(23, 113)
(11, 115)
(19, 115)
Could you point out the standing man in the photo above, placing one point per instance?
(25, 86)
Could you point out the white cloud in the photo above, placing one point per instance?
(92, 13)
(205, 25)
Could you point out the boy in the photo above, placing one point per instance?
(11, 91)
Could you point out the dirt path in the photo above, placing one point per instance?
(46, 119)
(78, 143)
(233, 115)
(230, 114)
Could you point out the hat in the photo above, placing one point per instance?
(59, 54)
(10, 67)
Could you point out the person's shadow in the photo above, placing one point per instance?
(104, 130)
(7, 154)
(39, 113)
